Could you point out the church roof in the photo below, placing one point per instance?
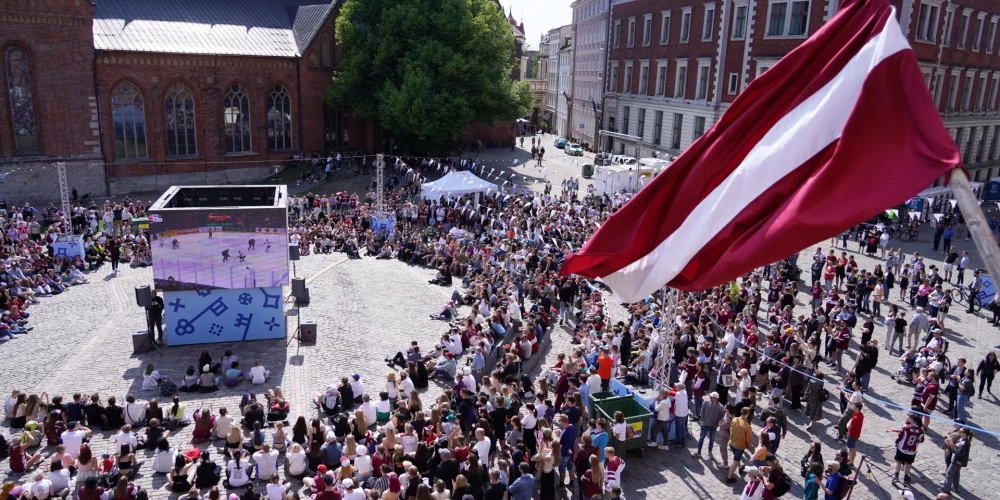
(276, 28)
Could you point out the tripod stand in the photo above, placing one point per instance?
(149, 334)
(298, 334)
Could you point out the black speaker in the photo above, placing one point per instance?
(140, 340)
(308, 331)
(143, 297)
(293, 252)
(302, 300)
(298, 287)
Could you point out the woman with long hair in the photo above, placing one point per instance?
(350, 447)
(300, 431)
(234, 441)
(279, 441)
(592, 482)
(126, 462)
(181, 476)
(17, 415)
(122, 490)
(295, 461)
(87, 465)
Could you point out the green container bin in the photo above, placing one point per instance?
(588, 171)
(597, 397)
(637, 416)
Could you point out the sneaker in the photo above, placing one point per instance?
(731, 480)
(696, 456)
(906, 479)
(895, 477)
(651, 444)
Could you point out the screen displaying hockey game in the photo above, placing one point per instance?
(203, 248)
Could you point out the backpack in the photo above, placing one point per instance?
(784, 485)
(845, 488)
(167, 388)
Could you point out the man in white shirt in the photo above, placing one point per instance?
(662, 424)
(482, 446)
(358, 388)
(257, 373)
(41, 488)
(469, 380)
(8, 407)
(223, 423)
(73, 438)
(680, 414)
(266, 460)
(368, 409)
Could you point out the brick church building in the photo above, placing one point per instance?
(136, 95)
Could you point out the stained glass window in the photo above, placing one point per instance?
(237, 118)
(179, 105)
(22, 105)
(279, 119)
(128, 116)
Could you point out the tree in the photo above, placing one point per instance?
(427, 69)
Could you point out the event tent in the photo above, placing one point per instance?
(455, 184)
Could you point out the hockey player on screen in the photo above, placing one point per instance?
(252, 243)
(225, 255)
(175, 244)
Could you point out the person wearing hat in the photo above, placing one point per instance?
(711, 415)
(831, 487)
(351, 492)
(754, 490)
(358, 388)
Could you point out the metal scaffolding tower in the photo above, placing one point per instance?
(380, 186)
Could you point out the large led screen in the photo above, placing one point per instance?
(206, 248)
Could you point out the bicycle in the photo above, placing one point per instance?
(963, 296)
(908, 234)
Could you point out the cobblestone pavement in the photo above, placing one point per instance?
(366, 309)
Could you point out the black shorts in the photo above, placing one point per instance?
(841, 272)
(905, 458)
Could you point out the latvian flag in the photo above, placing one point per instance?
(840, 129)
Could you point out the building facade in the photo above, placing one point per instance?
(564, 87)
(560, 45)
(590, 25)
(675, 65)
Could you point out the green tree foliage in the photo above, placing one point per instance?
(427, 69)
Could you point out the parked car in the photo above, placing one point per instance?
(561, 142)
(574, 149)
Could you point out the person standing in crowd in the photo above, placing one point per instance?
(957, 458)
(987, 370)
(740, 440)
(907, 440)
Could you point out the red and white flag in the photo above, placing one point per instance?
(840, 129)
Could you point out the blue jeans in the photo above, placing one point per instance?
(698, 400)
(442, 373)
(778, 392)
(865, 379)
(963, 401)
(565, 463)
(709, 431)
(679, 428)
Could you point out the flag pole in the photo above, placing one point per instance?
(976, 221)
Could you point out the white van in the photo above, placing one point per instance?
(651, 166)
(623, 160)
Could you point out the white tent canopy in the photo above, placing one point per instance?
(455, 184)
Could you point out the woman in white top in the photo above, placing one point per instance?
(408, 439)
(164, 459)
(275, 489)
(295, 459)
(150, 378)
(237, 471)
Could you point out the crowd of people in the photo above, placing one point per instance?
(732, 366)
(33, 268)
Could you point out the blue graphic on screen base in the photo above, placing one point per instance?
(228, 315)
